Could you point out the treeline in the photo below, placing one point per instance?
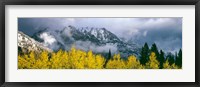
(79, 59)
(161, 57)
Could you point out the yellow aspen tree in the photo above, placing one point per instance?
(73, 58)
(141, 66)
(54, 61)
(173, 66)
(27, 61)
(65, 60)
(116, 63)
(90, 60)
(21, 62)
(57, 60)
(100, 61)
(166, 65)
(76, 58)
(43, 61)
(32, 59)
(152, 63)
(80, 60)
(133, 63)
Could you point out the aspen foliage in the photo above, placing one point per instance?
(43, 61)
(166, 65)
(133, 63)
(73, 59)
(152, 63)
(27, 60)
(116, 63)
(79, 59)
(173, 66)
(59, 60)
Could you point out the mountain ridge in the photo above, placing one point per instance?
(87, 39)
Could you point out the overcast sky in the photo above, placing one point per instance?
(165, 32)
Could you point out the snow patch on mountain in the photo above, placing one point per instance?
(26, 43)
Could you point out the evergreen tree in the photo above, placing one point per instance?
(179, 59)
(162, 59)
(170, 58)
(144, 54)
(155, 50)
(176, 58)
(109, 57)
(109, 54)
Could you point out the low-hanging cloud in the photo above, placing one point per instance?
(65, 40)
(87, 45)
(47, 38)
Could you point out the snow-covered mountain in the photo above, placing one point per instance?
(101, 34)
(100, 40)
(26, 44)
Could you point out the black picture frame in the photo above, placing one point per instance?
(99, 2)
